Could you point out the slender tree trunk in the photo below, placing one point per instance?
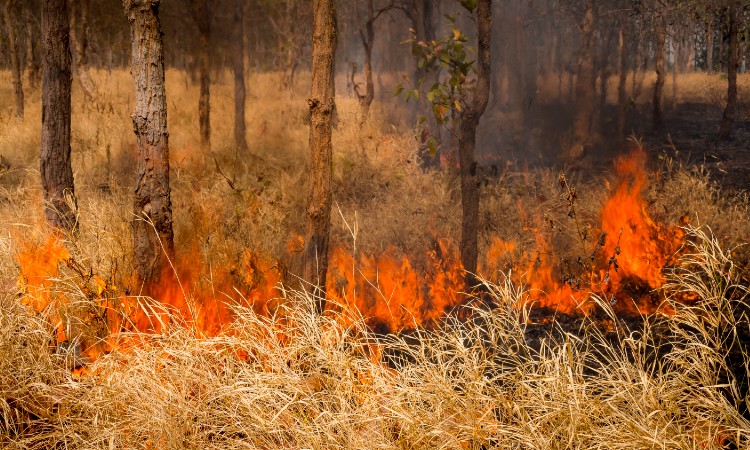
(584, 86)
(518, 63)
(79, 37)
(238, 65)
(603, 68)
(15, 60)
(153, 238)
(55, 167)
(674, 86)
(291, 44)
(202, 17)
(660, 29)
(730, 111)
(467, 142)
(321, 103)
(368, 37)
(622, 96)
(32, 61)
(710, 45)
(427, 24)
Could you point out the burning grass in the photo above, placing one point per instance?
(233, 357)
(298, 380)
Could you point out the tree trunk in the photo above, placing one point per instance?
(153, 238)
(710, 45)
(467, 141)
(32, 61)
(660, 29)
(730, 111)
(202, 17)
(517, 70)
(79, 37)
(15, 60)
(238, 66)
(603, 69)
(55, 167)
(427, 25)
(368, 37)
(584, 86)
(321, 103)
(290, 45)
(622, 97)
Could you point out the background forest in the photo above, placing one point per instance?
(605, 303)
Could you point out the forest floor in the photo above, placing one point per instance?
(234, 357)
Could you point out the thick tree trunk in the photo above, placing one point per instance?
(321, 103)
(153, 238)
(238, 66)
(202, 17)
(15, 60)
(660, 29)
(466, 145)
(55, 167)
(79, 37)
(584, 86)
(368, 37)
(730, 111)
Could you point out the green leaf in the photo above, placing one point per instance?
(470, 5)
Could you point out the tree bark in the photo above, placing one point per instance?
(153, 239)
(467, 142)
(584, 85)
(202, 17)
(730, 111)
(321, 103)
(55, 167)
(15, 60)
(238, 66)
(79, 37)
(660, 29)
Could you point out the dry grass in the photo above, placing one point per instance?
(309, 382)
(296, 380)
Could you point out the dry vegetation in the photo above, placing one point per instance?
(295, 380)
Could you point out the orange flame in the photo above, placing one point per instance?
(390, 293)
(389, 290)
(637, 247)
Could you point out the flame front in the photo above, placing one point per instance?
(389, 290)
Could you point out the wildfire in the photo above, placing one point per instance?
(638, 248)
(625, 266)
(390, 292)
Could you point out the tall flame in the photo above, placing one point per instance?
(638, 248)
